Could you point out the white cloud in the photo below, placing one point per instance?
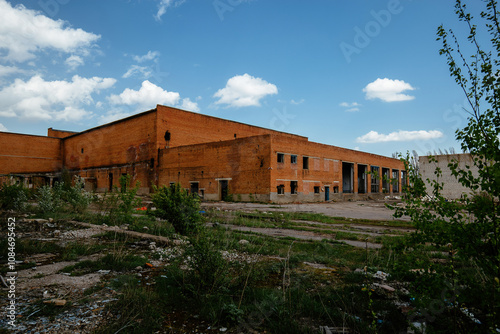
(244, 91)
(113, 115)
(37, 99)
(349, 105)
(297, 102)
(23, 32)
(74, 62)
(187, 104)
(353, 107)
(7, 70)
(151, 55)
(388, 90)
(148, 96)
(164, 4)
(375, 137)
(143, 71)
(3, 128)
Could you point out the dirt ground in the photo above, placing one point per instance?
(45, 281)
(373, 210)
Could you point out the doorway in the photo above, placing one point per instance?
(224, 189)
(327, 193)
(347, 177)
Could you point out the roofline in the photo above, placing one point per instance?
(111, 123)
(63, 130)
(30, 135)
(228, 120)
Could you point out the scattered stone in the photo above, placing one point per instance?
(244, 242)
(56, 302)
(385, 287)
(381, 275)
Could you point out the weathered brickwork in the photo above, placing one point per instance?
(216, 158)
(243, 164)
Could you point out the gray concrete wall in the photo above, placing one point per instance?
(452, 189)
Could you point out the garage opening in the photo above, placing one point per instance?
(347, 177)
(386, 180)
(375, 175)
(362, 182)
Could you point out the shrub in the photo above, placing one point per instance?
(13, 197)
(77, 197)
(49, 199)
(177, 206)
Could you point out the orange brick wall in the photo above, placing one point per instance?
(325, 167)
(124, 147)
(188, 128)
(244, 161)
(21, 153)
(124, 142)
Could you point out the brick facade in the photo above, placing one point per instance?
(208, 155)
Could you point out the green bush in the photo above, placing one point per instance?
(77, 197)
(49, 199)
(177, 206)
(13, 197)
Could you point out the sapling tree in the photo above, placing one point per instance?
(469, 227)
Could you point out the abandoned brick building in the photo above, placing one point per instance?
(207, 155)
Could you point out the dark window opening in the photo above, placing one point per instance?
(281, 158)
(167, 136)
(316, 190)
(336, 189)
(293, 187)
(281, 189)
(235, 135)
(305, 162)
(172, 184)
(194, 187)
(152, 163)
(293, 159)
(110, 175)
(82, 150)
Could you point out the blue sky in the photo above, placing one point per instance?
(360, 74)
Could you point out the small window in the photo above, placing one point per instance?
(281, 189)
(316, 190)
(293, 159)
(293, 187)
(82, 150)
(281, 158)
(305, 162)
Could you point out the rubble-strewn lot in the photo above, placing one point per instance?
(300, 275)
